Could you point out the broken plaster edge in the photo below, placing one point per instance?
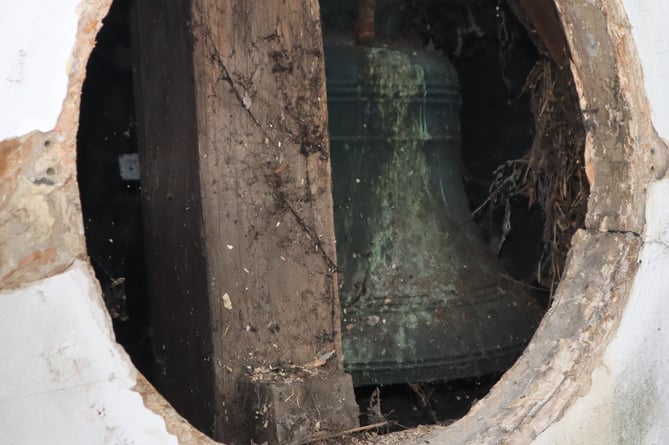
(61, 362)
(36, 100)
(598, 417)
(652, 53)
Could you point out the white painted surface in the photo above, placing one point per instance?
(37, 38)
(628, 402)
(64, 380)
(650, 19)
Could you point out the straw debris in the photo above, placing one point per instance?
(552, 173)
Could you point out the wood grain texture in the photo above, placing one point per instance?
(545, 20)
(172, 210)
(238, 196)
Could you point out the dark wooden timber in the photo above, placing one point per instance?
(237, 201)
(542, 19)
(172, 210)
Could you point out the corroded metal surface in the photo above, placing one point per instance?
(623, 155)
(423, 299)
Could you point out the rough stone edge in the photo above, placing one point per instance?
(623, 152)
(177, 425)
(41, 230)
(42, 226)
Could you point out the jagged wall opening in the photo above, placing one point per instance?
(509, 93)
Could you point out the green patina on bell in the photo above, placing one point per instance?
(421, 296)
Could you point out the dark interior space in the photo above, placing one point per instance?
(494, 57)
(108, 174)
(407, 406)
(522, 139)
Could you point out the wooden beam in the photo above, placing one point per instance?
(177, 273)
(542, 18)
(236, 179)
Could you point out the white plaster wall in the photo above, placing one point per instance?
(36, 40)
(628, 402)
(63, 378)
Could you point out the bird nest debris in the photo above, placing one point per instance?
(552, 172)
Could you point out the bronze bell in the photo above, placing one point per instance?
(422, 298)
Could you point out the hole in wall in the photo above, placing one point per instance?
(502, 77)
